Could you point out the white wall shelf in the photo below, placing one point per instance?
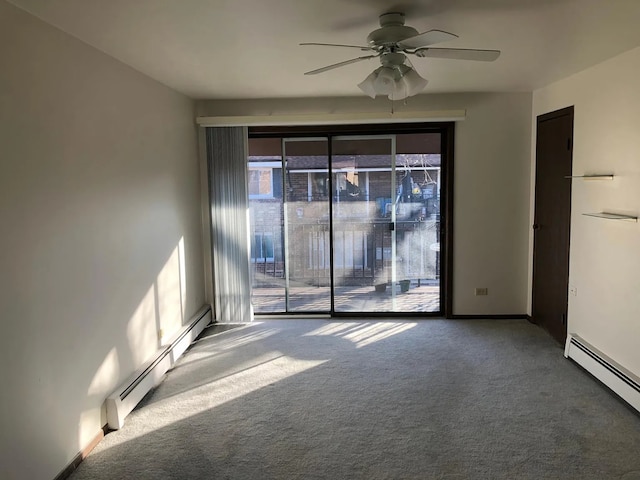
(606, 176)
(613, 216)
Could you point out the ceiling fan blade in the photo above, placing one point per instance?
(459, 54)
(341, 64)
(427, 38)
(359, 47)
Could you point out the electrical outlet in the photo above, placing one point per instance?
(482, 291)
(573, 291)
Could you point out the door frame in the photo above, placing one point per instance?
(447, 134)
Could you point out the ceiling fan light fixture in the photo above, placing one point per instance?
(414, 82)
(385, 81)
(399, 92)
(397, 83)
(382, 81)
(367, 85)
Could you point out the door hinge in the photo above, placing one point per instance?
(569, 144)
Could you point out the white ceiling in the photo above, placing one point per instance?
(249, 48)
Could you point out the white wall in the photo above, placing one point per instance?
(605, 254)
(492, 176)
(101, 236)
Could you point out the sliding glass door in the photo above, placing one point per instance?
(364, 215)
(289, 197)
(266, 217)
(385, 225)
(306, 225)
(346, 224)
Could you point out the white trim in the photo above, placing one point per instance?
(331, 118)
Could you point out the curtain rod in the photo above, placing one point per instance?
(278, 120)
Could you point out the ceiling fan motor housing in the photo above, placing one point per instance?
(392, 31)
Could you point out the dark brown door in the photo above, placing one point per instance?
(554, 144)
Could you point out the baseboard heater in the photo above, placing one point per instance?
(122, 401)
(617, 378)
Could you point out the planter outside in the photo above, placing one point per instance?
(381, 287)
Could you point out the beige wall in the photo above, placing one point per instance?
(101, 237)
(605, 254)
(492, 181)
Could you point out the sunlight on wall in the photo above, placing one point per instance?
(161, 312)
(158, 316)
(104, 381)
(141, 330)
(183, 277)
(362, 334)
(171, 286)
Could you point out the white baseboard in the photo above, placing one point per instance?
(125, 398)
(616, 377)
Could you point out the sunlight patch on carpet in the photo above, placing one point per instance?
(362, 334)
(207, 397)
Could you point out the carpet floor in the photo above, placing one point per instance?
(429, 399)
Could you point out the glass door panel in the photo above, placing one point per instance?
(306, 221)
(418, 182)
(364, 250)
(386, 223)
(266, 218)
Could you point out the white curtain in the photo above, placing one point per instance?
(227, 160)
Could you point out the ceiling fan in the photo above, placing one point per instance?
(391, 43)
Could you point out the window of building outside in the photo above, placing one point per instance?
(262, 248)
(260, 182)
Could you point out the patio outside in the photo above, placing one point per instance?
(420, 297)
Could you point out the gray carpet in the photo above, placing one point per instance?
(431, 399)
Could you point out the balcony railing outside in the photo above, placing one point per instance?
(362, 252)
